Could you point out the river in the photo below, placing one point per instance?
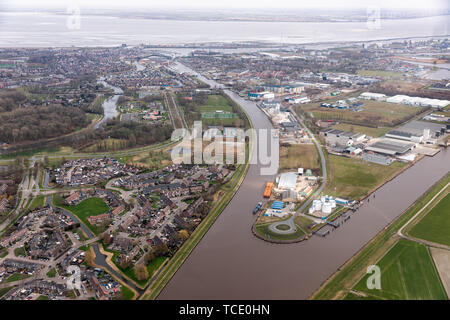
(109, 105)
(230, 263)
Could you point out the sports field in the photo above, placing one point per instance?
(435, 225)
(407, 273)
(217, 103)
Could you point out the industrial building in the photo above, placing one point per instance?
(377, 158)
(373, 96)
(287, 181)
(390, 147)
(418, 101)
(345, 138)
(418, 128)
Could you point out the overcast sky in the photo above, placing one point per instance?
(195, 4)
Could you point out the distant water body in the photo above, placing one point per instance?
(18, 29)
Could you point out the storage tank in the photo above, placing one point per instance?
(317, 204)
(326, 208)
(333, 204)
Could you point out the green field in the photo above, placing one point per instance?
(374, 113)
(217, 103)
(380, 73)
(51, 273)
(264, 231)
(299, 156)
(17, 277)
(127, 293)
(435, 225)
(4, 291)
(85, 209)
(37, 202)
(353, 178)
(407, 272)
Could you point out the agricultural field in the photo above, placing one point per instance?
(435, 224)
(374, 113)
(407, 273)
(299, 156)
(353, 178)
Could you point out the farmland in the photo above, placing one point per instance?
(433, 225)
(407, 272)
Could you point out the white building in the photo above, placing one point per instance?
(373, 96)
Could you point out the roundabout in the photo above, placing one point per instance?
(284, 227)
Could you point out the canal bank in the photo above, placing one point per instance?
(230, 263)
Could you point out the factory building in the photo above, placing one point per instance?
(377, 158)
(418, 101)
(373, 96)
(390, 147)
(334, 136)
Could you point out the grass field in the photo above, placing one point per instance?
(435, 224)
(51, 273)
(17, 277)
(303, 222)
(37, 202)
(299, 156)
(85, 209)
(407, 272)
(353, 178)
(374, 112)
(127, 293)
(264, 231)
(213, 104)
(369, 131)
(381, 73)
(4, 291)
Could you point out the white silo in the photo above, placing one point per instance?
(333, 204)
(317, 205)
(326, 208)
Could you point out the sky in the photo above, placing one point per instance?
(204, 4)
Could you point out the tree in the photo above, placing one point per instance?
(141, 272)
(89, 258)
(184, 235)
